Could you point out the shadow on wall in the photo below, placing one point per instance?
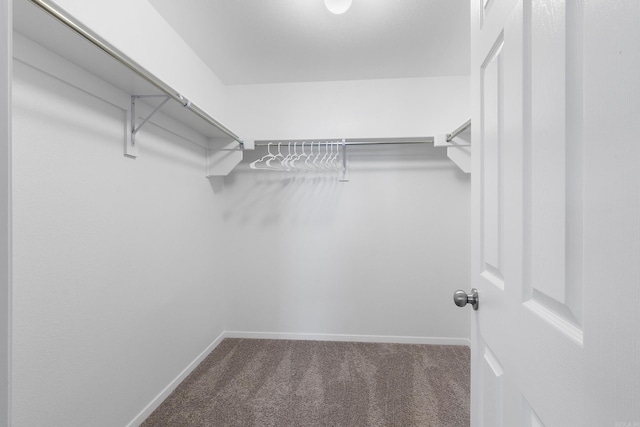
(266, 198)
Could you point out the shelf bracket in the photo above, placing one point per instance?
(135, 128)
(458, 145)
(466, 125)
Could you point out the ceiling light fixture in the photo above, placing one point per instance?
(337, 7)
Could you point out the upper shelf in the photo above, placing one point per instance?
(99, 58)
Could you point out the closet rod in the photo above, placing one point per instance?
(370, 141)
(63, 16)
(466, 125)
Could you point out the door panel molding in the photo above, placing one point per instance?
(491, 164)
(552, 167)
(493, 386)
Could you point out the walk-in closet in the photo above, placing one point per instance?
(258, 213)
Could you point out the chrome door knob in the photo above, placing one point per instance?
(461, 298)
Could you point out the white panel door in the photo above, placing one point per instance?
(556, 212)
(527, 357)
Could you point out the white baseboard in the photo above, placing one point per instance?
(174, 383)
(352, 338)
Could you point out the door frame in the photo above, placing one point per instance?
(6, 61)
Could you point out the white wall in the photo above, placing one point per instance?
(126, 270)
(116, 284)
(378, 256)
(349, 109)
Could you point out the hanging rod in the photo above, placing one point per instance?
(466, 125)
(64, 17)
(350, 141)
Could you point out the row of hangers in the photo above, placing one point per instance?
(312, 157)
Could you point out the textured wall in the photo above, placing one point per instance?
(116, 284)
(378, 255)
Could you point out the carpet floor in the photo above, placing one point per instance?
(251, 382)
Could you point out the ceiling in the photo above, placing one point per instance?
(277, 41)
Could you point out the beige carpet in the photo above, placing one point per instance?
(246, 382)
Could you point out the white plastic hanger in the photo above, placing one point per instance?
(310, 165)
(293, 157)
(285, 161)
(304, 155)
(296, 157)
(335, 161)
(323, 161)
(275, 157)
(257, 164)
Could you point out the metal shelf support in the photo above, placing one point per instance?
(135, 128)
(466, 125)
